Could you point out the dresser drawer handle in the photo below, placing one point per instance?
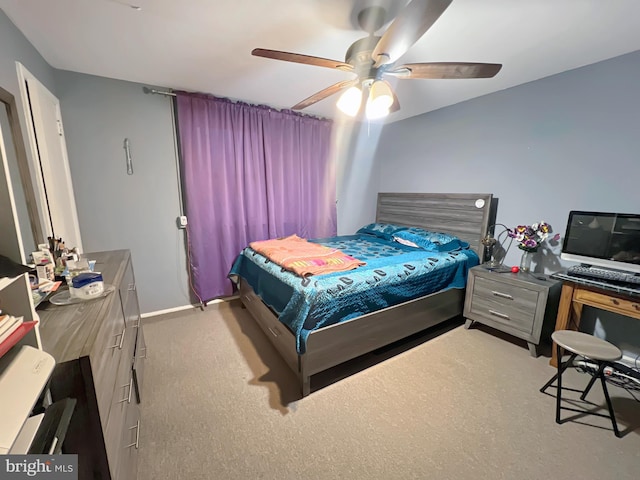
(142, 355)
(498, 314)
(54, 444)
(636, 306)
(137, 427)
(128, 397)
(121, 335)
(615, 301)
(502, 295)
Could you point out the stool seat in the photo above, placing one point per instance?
(587, 345)
(590, 347)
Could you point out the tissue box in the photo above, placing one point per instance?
(87, 285)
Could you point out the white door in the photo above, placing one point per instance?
(50, 149)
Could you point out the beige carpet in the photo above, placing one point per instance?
(220, 404)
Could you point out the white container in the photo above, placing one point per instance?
(88, 291)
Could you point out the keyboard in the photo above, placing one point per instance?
(604, 274)
(627, 288)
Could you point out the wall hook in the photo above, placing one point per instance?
(127, 149)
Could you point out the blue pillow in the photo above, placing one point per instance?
(381, 230)
(431, 241)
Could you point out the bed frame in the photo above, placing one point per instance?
(464, 215)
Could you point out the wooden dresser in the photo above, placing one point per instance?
(99, 348)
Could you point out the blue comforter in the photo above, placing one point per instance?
(394, 273)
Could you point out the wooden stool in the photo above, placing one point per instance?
(593, 348)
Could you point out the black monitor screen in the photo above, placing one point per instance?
(609, 236)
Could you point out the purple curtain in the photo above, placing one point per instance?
(249, 173)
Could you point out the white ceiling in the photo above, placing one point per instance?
(205, 45)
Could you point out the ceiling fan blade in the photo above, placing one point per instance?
(322, 94)
(411, 23)
(445, 70)
(299, 58)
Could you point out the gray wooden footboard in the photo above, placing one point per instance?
(335, 344)
(464, 215)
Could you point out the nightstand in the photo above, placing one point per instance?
(521, 304)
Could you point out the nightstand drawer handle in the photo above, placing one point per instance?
(502, 295)
(498, 314)
(615, 302)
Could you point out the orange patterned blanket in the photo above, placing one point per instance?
(303, 257)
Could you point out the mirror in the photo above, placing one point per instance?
(20, 226)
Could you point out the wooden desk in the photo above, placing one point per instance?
(575, 295)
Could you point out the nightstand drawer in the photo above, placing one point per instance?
(508, 304)
(512, 315)
(506, 293)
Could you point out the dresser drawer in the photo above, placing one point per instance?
(128, 282)
(131, 309)
(129, 298)
(123, 396)
(106, 354)
(128, 462)
(139, 357)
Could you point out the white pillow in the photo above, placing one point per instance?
(408, 243)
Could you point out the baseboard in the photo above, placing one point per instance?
(186, 307)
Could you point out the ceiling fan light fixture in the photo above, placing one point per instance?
(372, 57)
(380, 100)
(376, 113)
(350, 101)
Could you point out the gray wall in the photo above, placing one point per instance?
(565, 142)
(569, 141)
(117, 210)
(356, 174)
(15, 47)
(9, 242)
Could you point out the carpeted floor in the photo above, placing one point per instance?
(219, 403)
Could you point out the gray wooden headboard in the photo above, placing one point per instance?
(465, 215)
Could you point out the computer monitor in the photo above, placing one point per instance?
(609, 240)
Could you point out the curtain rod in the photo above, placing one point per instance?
(171, 94)
(158, 92)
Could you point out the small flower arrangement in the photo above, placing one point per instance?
(530, 237)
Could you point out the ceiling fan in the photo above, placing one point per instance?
(373, 57)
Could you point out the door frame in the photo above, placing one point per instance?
(25, 75)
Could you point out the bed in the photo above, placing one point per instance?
(312, 336)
